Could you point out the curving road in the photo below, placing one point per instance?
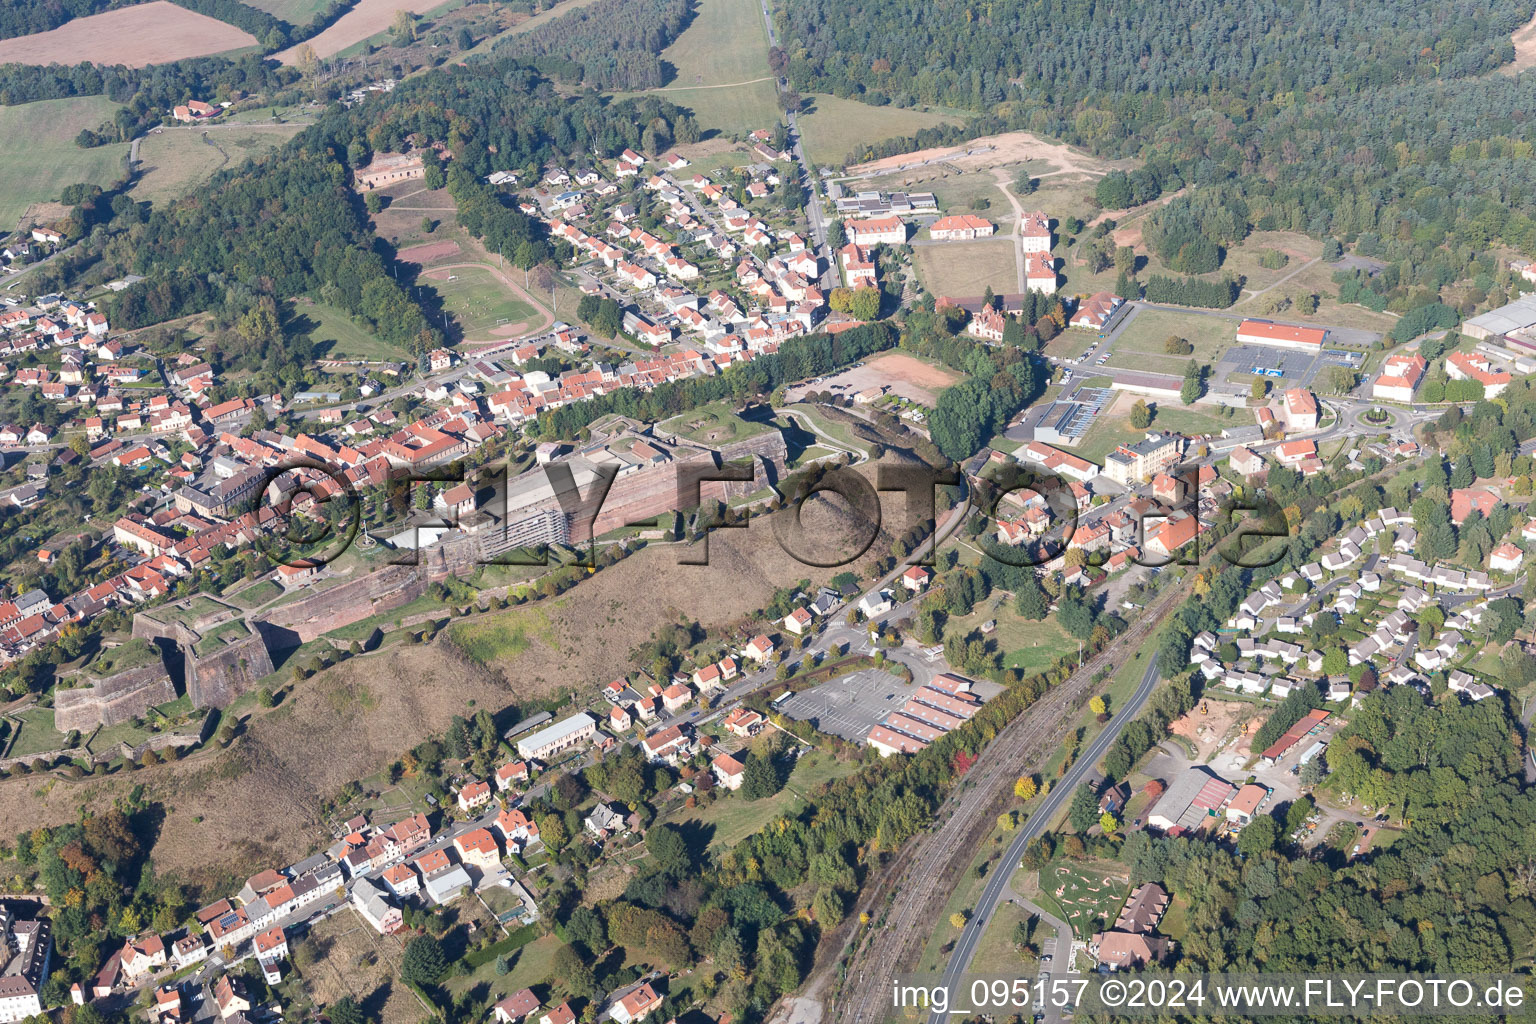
(917, 884)
(1039, 821)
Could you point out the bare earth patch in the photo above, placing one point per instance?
(431, 252)
(1524, 39)
(368, 18)
(1207, 732)
(905, 375)
(154, 33)
(1012, 147)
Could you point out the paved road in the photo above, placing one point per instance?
(1039, 821)
(915, 886)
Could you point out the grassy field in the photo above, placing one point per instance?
(1026, 644)
(967, 268)
(721, 68)
(478, 301)
(337, 336)
(35, 733)
(996, 953)
(175, 160)
(715, 423)
(730, 818)
(500, 637)
(1141, 345)
(36, 171)
(295, 12)
(834, 129)
(1195, 419)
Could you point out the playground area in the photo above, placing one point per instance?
(1086, 894)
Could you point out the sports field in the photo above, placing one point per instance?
(834, 128)
(477, 300)
(175, 160)
(36, 171)
(721, 68)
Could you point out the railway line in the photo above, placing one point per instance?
(918, 884)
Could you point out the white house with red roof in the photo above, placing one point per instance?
(474, 794)
(759, 648)
(798, 621)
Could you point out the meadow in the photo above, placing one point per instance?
(35, 172)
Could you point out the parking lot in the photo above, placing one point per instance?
(849, 705)
(1296, 368)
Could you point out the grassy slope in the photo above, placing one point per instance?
(42, 156)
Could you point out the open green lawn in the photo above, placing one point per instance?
(730, 817)
(1142, 345)
(295, 12)
(259, 594)
(530, 966)
(968, 268)
(1026, 644)
(338, 336)
(1196, 419)
(36, 733)
(835, 130)
(721, 72)
(173, 162)
(724, 44)
(996, 953)
(35, 172)
(477, 300)
(714, 424)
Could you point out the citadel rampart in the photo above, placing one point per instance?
(117, 698)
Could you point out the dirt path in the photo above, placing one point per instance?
(699, 88)
(1277, 284)
(1001, 177)
(1130, 213)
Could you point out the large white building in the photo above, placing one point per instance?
(28, 952)
(1262, 332)
(563, 735)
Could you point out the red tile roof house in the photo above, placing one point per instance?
(1465, 499)
(142, 956)
(561, 1014)
(636, 1004)
(728, 771)
(516, 1006)
(474, 794)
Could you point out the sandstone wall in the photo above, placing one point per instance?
(218, 678)
(110, 701)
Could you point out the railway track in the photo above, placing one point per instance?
(918, 883)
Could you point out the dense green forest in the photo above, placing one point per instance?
(1376, 124)
(612, 44)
